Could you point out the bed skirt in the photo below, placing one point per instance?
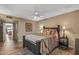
(34, 48)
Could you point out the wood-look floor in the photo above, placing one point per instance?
(9, 47)
(16, 49)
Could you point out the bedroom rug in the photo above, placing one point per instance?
(60, 51)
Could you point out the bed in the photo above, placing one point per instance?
(34, 42)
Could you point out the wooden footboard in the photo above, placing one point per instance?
(34, 48)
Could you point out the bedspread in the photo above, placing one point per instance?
(47, 45)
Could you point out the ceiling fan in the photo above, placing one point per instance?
(37, 15)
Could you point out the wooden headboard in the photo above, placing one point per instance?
(53, 28)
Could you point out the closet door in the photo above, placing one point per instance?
(1, 31)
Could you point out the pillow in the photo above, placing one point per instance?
(44, 33)
(48, 32)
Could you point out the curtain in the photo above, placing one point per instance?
(15, 31)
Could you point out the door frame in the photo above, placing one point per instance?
(15, 30)
(3, 29)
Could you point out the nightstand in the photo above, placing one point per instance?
(63, 43)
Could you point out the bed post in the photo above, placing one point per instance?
(23, 41)
(58, 32)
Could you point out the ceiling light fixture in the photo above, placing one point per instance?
(36, 15)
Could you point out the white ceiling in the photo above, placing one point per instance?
(44, 10)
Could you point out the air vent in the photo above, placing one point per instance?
(9, 17)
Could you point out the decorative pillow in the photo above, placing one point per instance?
(48, 32)
(52, 33)
(55, 35)
(44, 33)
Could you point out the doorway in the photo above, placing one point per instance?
(7, 32)
(8, 45)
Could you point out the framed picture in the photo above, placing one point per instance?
(28, 27)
